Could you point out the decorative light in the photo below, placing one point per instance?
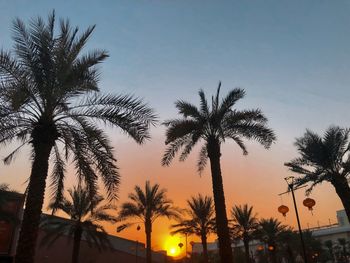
(309, 203)
(271, 248)
(260, 248)
(283, 210)
(180, 245)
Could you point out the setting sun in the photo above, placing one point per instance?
(171, 245)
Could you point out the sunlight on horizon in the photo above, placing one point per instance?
(171, 245)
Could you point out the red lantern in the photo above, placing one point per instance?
(283, 210)
(309, 203)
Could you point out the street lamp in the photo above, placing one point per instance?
(290, 182)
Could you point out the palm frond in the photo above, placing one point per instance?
(57, 179)
(202, 159)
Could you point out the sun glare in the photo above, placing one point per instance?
(171, 245)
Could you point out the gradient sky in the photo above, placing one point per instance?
(291, 57)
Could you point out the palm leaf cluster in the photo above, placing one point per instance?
(200, 220)
(85, 215)
(219, 122)
(244, 221)
(322, 158)
(146, 205)
(244, 226)
(47, 86)
(201, 217)
(269, 230)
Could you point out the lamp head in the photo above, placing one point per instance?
(289, 180)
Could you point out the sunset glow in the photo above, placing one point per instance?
(171, 245)
(292, 61)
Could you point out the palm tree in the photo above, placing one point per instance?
(213, 126)
(85, 214)
(7, 194)
(245, 224)
(324, 159)
(201, 220)
(147, 205)
(269, 231)
(50, 100)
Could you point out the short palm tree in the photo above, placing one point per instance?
(201, 220)
(214, 125)
(269, 231)
(324, 159)
(7, 194)
(147, 205)
(50, 100)
(245, 224)
(85, 215)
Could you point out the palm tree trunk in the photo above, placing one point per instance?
(205, 248)
(342, 188)
(225, 250)
(246, 249)
(76, 246)
(34, 201)
(148, 230)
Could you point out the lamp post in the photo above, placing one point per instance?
(290, 182)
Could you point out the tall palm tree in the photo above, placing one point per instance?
(147, 205)
(324, 159)
(201, 220)
(85, 215)
(245, 224)
(50, 100)
(214, 125)
(269, 231)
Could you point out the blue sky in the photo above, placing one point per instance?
(291, 57)
(286, 54)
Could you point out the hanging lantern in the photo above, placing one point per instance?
(283, 210)
(309, 203)
(180, 245)
(138, 228)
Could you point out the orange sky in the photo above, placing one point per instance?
(256, 179)
(286, 57)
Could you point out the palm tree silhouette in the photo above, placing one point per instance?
(245, 224)
(85, 215)
(269, 231)
(201, 220)
(214, 126)
(7, 194)
(50, 100)
(323, 159)
(147, 205)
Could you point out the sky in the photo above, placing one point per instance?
(291, 57)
